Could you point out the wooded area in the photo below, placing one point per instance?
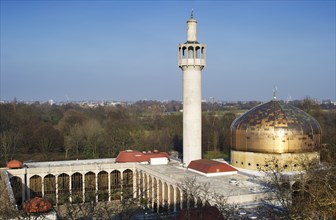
(55, 132)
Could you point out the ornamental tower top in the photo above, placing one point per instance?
(191, 29)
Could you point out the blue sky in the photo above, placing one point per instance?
(127, 50)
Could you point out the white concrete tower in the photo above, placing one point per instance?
(191, 59)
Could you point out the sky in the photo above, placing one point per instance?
(127, 50)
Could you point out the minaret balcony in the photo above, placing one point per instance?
(191, 54)
(191, 62)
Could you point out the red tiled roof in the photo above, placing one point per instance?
(136, 156)
(14, 164)
(210, 166)
(202, 213)
(37, 205)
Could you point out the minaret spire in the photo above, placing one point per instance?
(274, 93)
(192, 28)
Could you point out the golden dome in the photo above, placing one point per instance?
(275, 127)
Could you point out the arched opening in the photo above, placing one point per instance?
(128, 184)
(63, 182)
(160, 194)
(155, 192)
(145, 193)
(50, 188)
(179, 203)
(150, 190)
(171, 198)
(16, 184)
(115, 185)
(190, 52)
(102, 186)
(90, 186)
(35, 185)
(198, 52)
(77, 188)
(165, 197)
(179, 199)
(191, 201)
(184, 52)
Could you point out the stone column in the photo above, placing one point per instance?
(70, 189)
(174, 199)
(96, 175)
(158, 195)
(168, 197)
(153, 193)
(109, 185)
(56, 191)
(122, 184)
(28, 187)
(42, 187)
(83, 184)
(181, 199)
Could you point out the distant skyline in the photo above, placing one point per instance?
(127, 50)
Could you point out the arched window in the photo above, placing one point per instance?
(90, 186)
(128, 183)
(35, 184)
(63, 181)
(115, 185)
(50, 188)
(190, 52)
(77, 187)
(198, 52)
(102, 186)
(184, 52)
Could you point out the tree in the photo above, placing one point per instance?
(92, 135)
(8, 144)
(310, 194)
(47, 139)
(200, 193)
(73, 140)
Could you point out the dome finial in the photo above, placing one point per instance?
(274, 93)
(192, 13)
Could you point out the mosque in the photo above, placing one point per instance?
(271, 130)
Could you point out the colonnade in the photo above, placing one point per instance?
(75, 187)
(156, 193)
(151, 189)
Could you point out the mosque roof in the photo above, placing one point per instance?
(275, 127)
(128, 156)
(13, 164)
(210, 166)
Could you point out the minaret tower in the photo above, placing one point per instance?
(191, 59)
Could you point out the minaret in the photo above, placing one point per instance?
(191, 59)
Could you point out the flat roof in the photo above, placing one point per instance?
(37, 164)
(231, 185)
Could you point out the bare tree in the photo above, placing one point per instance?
(309, 194)
(194, 191)
(8, 142)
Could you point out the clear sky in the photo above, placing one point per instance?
(127, 50)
